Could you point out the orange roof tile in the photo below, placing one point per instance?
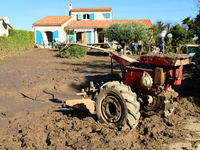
(53, 20)
(99, 9)
(103, 23)
(146, 22)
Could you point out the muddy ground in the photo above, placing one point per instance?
(34, 85)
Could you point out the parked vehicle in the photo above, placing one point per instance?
(189, 49)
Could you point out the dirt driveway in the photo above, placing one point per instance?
(34, 85)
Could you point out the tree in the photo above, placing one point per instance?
(193, 27)
(125, 33)
(197, 2)
(194, 24)
(158, 28)
(197, 27)
(69, 31)
(180, 35)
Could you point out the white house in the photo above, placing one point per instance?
(51, 28)
(4, 26)
(87, 23)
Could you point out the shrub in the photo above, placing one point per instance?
(18, 41)
(73, 52)
(69, 31)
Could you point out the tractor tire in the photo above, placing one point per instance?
(117, 105)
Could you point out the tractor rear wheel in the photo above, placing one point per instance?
(117, 105)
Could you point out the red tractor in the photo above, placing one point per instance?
(146, 86)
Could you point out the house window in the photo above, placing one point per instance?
(86, 16)
(106, 15)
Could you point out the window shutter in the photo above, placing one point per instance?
(72, 38)
(38, 37)
(55, 35)
(92, 16)
(107, 15)
(80, 16)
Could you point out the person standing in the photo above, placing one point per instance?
(140, 47)
(134, 47)
(152, 45)
(162, 47)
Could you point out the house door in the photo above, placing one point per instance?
(89, 37)
(101, 38)
(78, 36)
(84, 37)
(49, 36)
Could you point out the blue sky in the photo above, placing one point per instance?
(23, 13)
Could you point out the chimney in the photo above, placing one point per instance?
(70, 7)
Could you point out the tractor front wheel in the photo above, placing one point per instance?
(117, 105)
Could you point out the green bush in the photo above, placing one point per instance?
(69, 31)
(73, 52)
(18, 41)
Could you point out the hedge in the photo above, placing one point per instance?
(18, 41)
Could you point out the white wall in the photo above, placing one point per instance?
(61, 32)
(3, 30)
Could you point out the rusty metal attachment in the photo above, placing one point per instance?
(91, 90)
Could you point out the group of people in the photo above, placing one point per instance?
(160, 49)
(138, 46)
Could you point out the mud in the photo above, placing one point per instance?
(34, 85)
